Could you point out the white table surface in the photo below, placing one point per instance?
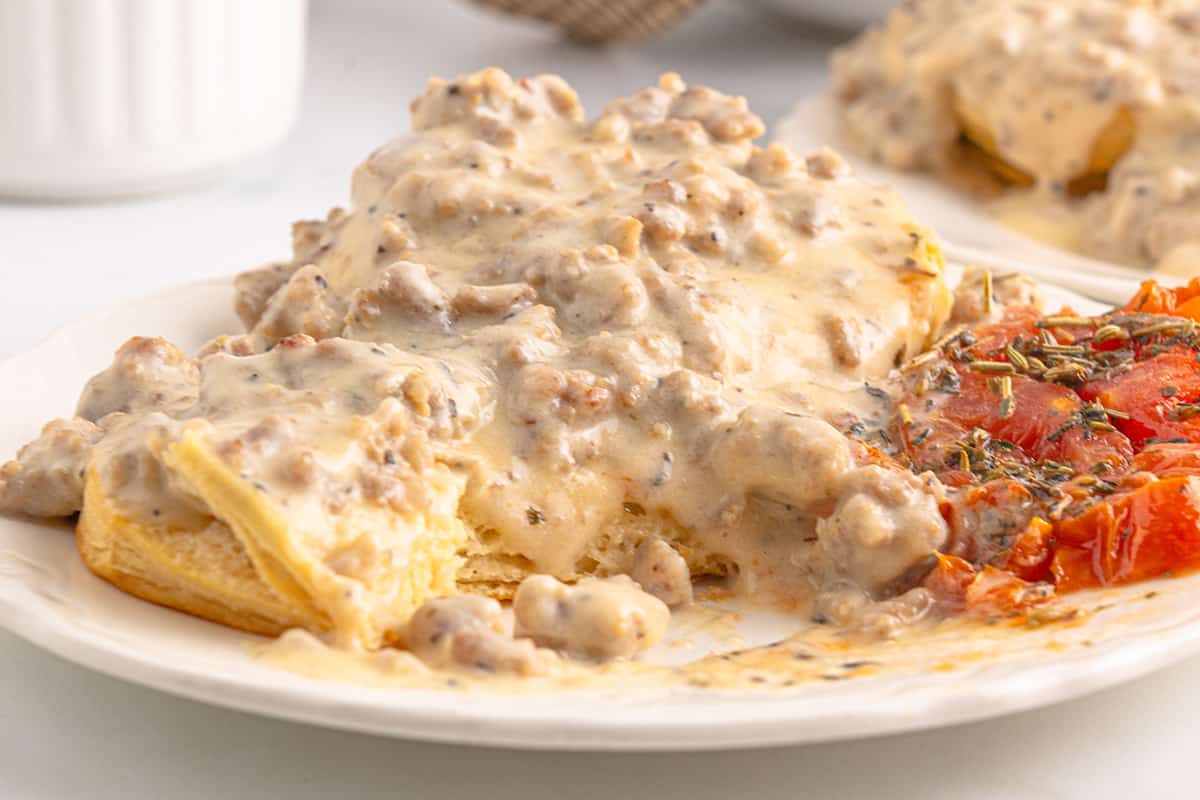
(68, 733)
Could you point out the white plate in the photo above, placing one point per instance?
(969, 234)
(49, 598)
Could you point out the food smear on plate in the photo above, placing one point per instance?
(1085, 112)
(547, 376)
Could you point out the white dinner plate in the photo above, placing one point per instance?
(49, 598)
(969, 233)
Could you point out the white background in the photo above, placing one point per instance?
(67, 733)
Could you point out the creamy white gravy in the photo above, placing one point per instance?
(551, 338)
(662, 304)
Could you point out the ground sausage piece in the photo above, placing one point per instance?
(404, 295)
(46, 479)
(407, 287)
(437, 621)
(795, 460)
(146, 373)
(723, 118)
(490, 102)
(496, 300)
(470, 631)
(663, 572)
(1149, 208)
(886, 523)
(848, 607)
(845, 340)
(253, 290)
(302, 305)
(598, 618)
(1012, 289)
(491, 652)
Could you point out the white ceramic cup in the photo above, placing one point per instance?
(101, 98)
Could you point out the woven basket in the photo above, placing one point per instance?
(600, 21)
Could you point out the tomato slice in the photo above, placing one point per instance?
(991, 339)
(1032, 551)
(995, 591)
(1132, 536)
(985, 592)
(948, 581)
(1041, 424)
(984, 519)
(1153, 298)
(927, 444)
(1151, 393)
(1169, 460)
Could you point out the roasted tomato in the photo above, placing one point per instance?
(1043, 427)
(986, 592)
(948, 581)
(1002, 420)
(1032, 552)
(1159, 395)
(1152, 298)
(1144, 533)
(1169, 460)
(986, 519)
(1042, 422)
(991, 339)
